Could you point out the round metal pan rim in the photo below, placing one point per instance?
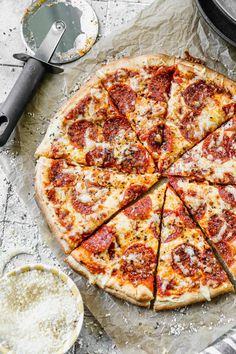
(225, 11)
(227, 22)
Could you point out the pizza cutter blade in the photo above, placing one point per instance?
(54, 32)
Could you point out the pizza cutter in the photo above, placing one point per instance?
(54, 32)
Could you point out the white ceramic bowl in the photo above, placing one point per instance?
(72, 287)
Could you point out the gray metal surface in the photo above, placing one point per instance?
(229, 7)
(81, 27)
(17, 230)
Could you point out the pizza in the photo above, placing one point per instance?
(214, 208)
(91, 131)
(213, 159)
(140, 89)
(76, 199)
(187, 268)
(200, 101)
(121, 256)
(136, 179)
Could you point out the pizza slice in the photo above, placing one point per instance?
(121, 256)
(90, 130)
(214, 208)
(139, 87)
(200, 101)
(214, 159)
(77, 199)
(187, 271)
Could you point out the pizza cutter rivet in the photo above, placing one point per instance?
(60, 25)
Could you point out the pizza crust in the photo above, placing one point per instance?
(172, 302)
(101, 282)
(125, 297)
(136, 62)
(45, 207)
(55, 124)
(209, 74)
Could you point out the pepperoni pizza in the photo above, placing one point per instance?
(137, 120)
(77, 199)
(90, 130)
(214, 159)
(121, 256)
(187, 269)
(140, 89)
(214, 208)
(200, 101)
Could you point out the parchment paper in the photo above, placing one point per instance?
(169, 26)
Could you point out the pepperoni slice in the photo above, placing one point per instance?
(228, 194)
(77, 131)
(95, 268)
(79, 109)
(200, 211)
(179, 221)
(132, 193)
(111, 250)
(229, 178)
(136, 160)
(186, 219)
(66, 219)
(140, 210)
(138, 263)
(101, 241)
(216, 146)
(226, 252)
(160, 82)
(113, 126)
(82, 208)
(215, 224)
(174, 182)
(98, 157)
(187, 126)
(59, 178)
(124, 97)
(185, 259)
(153, 226)
(232, 146)
(167, 145)
(52, 196)
(153, 137)
(195, 95)
(176, 231)
(222, 227)
(230, 109)
(79, 206)
(212, 269)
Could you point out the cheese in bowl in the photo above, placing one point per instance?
(41, 311)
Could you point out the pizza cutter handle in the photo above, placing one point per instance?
(21, 93)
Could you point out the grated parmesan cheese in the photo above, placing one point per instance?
(38, 312)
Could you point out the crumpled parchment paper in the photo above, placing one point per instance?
(166, 26)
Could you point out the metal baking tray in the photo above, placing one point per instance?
(223, 24)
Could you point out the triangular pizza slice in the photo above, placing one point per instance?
(214, 208)
(77, 199)
(121, 256)
(140, 87)
(90, 130)
(214, 159)
(187, 271)
(200, 101)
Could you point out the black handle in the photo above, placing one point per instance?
(21, 93)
